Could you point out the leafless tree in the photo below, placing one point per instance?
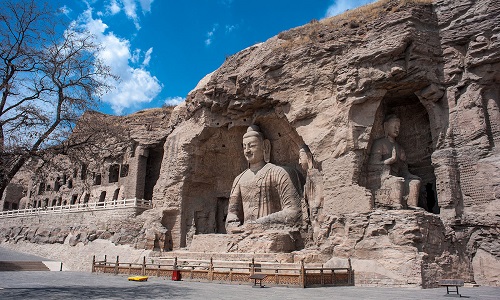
(49, 77)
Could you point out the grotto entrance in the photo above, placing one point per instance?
(221, 214)
(153, 167)
(148, 170)
(216, 160)
(416, 140)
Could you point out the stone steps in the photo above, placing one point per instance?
(237, 257)
(23, 266)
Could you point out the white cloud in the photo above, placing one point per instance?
(340, 6)
(136, 85)
(174, 100)
(65, 10)
(113, 8)
(146, 5)
(147, 57)
(136, 54)
(130, 9)
(230, 28)
(210, 34)
(140, 87)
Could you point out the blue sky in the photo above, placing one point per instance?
(162, 48)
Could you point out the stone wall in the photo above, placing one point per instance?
(395, 247)
(121, 226)
(78, 226)
(79, 257)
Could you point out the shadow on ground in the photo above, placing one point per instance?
(157, 291)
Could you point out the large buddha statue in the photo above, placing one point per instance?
(264, 193)
(388, 163)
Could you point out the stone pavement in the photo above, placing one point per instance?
(80, 285)
(12, 260)
(10, 255)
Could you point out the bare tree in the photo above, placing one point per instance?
(48, 79)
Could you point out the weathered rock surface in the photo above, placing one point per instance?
(122, 227)
(329, 84)
(79, 257)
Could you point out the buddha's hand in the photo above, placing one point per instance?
(393, 158)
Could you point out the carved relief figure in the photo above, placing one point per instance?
(263, 193)
(388, 162)
(313, 188)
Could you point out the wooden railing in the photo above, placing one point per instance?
(79, 207)
(289, 274)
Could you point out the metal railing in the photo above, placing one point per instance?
(79, 207)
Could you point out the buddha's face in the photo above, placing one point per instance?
(253, 149)
(303, 161)
(392, 128)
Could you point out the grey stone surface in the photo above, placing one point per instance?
(327, 84)
(79, 285)
(9, 255)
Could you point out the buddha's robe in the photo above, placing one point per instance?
(269, 197)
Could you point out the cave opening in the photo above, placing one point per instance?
(153, 168)
(415, 138)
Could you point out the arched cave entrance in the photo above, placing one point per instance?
(86, 199)
(102, 198)
(415, 138)
(115, 194)
(216, 160)
(153, 168)
(148, 170)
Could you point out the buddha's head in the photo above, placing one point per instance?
(391, 126)
(306, 160)
(255, 147)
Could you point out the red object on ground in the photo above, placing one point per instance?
(176, 275)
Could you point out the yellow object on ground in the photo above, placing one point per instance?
(138, 278)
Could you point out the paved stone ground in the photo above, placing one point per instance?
(9, 255)
(80, 285)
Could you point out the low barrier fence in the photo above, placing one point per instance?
(79, 207)
(289, 274)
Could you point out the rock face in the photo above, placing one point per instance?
(329, 85)
(394, 247)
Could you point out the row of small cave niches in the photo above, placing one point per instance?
(75, 199)
(115, 172)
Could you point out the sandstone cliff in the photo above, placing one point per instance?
(329, 84)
